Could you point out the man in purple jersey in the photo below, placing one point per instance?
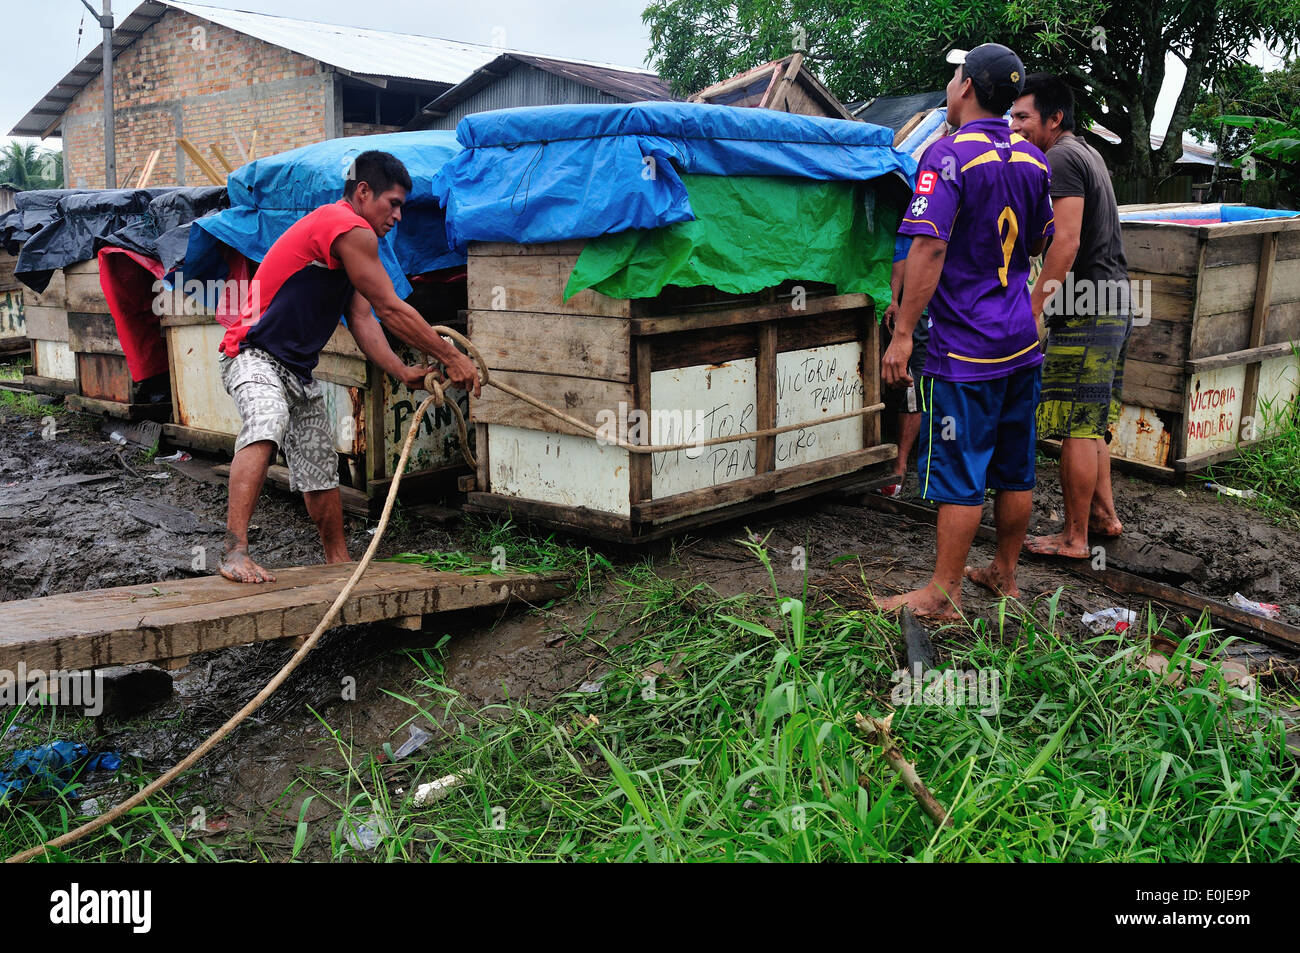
(980, 211)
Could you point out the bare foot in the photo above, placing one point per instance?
(1104, 526)
(929, 602)
(1055, 545)
(990, 578)
(238, 567)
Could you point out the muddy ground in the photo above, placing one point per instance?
(111, 533)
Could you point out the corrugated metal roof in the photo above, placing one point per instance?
(347, 48)
(620, 84)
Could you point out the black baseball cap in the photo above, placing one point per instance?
(994, 69)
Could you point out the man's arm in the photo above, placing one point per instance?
(1060, 256)
(895, 286)
(921, 277)
(358, 250)
(374, 344)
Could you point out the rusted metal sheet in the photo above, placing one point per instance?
(1140, 435)
(104, 377)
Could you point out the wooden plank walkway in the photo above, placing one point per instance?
(176, 619)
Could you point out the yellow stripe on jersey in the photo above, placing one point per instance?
(1017, 137)
(973, 137)
(990, 156)
(1026, 157)
(992, 360)
(921, 221)
(1049, 224)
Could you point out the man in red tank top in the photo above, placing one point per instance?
(324, 266)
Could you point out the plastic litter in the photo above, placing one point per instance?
(412, 744)
(1114, 619)
(437, 790)
(1269, 610)
(51, 767)
(1231, 491)
(180, 456)
(118, 439)
(367, 834)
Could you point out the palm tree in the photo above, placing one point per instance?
(28, 166)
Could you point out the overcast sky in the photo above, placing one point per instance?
(41, 42)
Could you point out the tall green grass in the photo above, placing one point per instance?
(722, 729)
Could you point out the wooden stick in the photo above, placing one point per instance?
(252, 147)
(877, 731)
(197, 158)
(147, 171)
(216, 151)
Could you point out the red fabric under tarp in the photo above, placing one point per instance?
(127, 279)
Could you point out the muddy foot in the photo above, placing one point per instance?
(1055, 545)
(1104, 526)
(238, 567)
(989, 578)
(927, 603)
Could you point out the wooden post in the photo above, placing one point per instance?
(765, 388)
(1258, 325)
(641, 473)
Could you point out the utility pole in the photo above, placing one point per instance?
(110, 146)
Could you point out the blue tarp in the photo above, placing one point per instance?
(549, 173)
(268, 195)
(1200, 214)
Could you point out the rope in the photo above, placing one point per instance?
(437, 398)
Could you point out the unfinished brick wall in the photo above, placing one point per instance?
(188, 77)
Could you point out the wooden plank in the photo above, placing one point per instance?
(641, 465)
(91, 333)
(46, 324)
(196, 438)
(750, 314)
(483, 475)
(87, 630)
(572, 246)
(1159, 386)
(681, 505)
(575, 345)
(704, 346)
(55, 294)
(576, 396)
(534, 283)
(120, 411)
(84, 291)
(48, 385)
(1168, 251)
(1251, 355)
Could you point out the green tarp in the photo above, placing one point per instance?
(751, 233)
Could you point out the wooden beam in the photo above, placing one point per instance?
(197, 158)
(216, 151)
(172, 619)
(748, 314)
(1258, 322)
(147, 172)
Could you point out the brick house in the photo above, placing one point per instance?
(216, 76)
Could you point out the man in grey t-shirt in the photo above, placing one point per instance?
(1083, 290)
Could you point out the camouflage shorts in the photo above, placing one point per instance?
(275, 405)
(1083, 376)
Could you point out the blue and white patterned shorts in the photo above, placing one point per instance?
(275, 405)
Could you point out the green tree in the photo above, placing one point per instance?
(1113, 51)
(27, 166)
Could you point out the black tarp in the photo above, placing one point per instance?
(895, 111)
(67, 226)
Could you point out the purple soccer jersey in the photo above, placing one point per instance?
(983, 190)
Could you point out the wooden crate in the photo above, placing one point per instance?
(54, 366)
(1219, 348)
(724, 364)
(13, 329)
(370, 410)
(104, 384)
